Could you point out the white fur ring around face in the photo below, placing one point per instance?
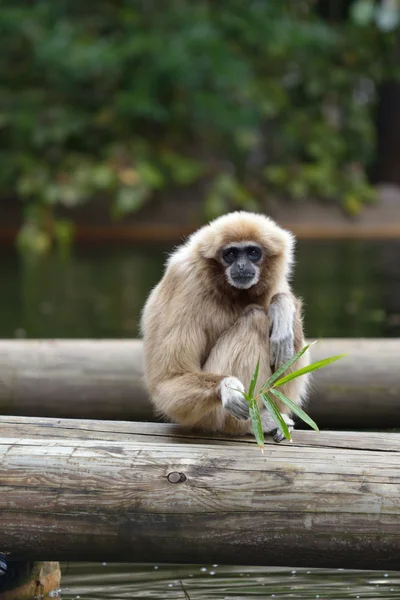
(232, 398)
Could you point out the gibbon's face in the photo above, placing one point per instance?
(242, 262)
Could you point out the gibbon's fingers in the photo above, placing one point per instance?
(269, 425)
(232, 398)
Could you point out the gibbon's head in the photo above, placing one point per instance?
(245, 251)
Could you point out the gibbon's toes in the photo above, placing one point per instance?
(277, 435)
(232, 398)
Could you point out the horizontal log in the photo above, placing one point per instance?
(91, 490)
(104, 379)
(73, 378)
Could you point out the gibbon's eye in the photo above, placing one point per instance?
(254, 253)
(230, 255)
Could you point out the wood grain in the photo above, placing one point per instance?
(90, 490)
(104, 380)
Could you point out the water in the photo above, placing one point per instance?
(350, 289)
(214, 582)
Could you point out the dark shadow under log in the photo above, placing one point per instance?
(137, 492)
(103, 380)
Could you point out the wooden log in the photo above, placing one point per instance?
(91, 490)
(360, 391)
(104, 379)
(73, 378)
(27, 580)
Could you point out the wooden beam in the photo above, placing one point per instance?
(91, 490)
(104, 379)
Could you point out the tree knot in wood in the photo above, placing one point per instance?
(176, 477)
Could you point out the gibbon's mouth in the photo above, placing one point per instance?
(244, 281)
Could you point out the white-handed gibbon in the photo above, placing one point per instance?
(224, 301)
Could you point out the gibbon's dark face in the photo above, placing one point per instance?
(242, 262)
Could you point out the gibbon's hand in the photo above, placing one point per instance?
(281, 340)
(232, 398)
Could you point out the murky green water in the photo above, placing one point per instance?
(350, 289)
(213, 582)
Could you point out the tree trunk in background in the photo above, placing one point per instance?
(387, 167)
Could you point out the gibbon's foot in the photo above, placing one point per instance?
(232, 398)
(269, 426)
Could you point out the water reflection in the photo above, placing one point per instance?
(111, 581)
(350, 289)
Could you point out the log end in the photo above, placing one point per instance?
(27, 580)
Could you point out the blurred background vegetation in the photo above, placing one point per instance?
(127, 98)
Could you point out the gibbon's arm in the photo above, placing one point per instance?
(190, 397)
(285, 320)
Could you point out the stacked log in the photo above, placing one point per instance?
(104, 380)
(147, 492)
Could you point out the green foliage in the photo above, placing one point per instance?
(127, 98)
(268, 389)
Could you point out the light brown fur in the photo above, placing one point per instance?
(198, 329)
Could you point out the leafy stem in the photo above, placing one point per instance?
(268, 391)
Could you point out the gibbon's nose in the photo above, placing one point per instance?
(241, 264)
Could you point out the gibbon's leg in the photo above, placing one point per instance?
(190, 399)
(236, 353)
(284, 343)
(211, 399)
(197, 399)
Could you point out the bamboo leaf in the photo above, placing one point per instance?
(256, 424)
(253, 382)
(312, 367)
(285, 366)
(295, 408)
(275, 414)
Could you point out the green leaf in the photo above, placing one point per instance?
(256, 422)
(183, 170)
(215, 204)
(285, 366)
(130, 199)
(295, 408)
(63, 232)
(150, 174)
(275, 414)
(387, 17)
(362, 12)
(103, 177)
(312, 367)
(253, 382)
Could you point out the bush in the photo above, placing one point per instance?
(125, 97)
